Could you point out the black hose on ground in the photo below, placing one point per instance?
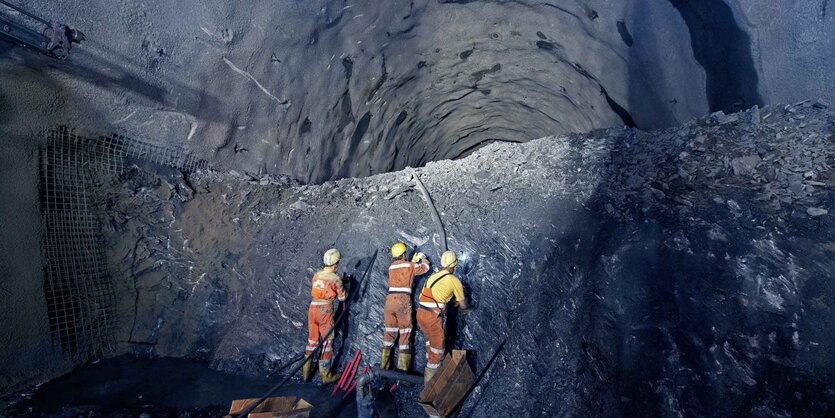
(318, 348)
(398, 375)
(292, 362)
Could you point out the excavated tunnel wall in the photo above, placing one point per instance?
(320, 90)
(326, 89)
(62, 306)
(682, 271)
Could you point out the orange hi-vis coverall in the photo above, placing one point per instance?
(439, 289)
(398, 312)
(326, 287)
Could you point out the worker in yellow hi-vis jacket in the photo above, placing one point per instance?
(439, 289)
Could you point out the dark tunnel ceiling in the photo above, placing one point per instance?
(326, 90)
(443, 79)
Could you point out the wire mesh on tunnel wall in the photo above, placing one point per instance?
(79, 291)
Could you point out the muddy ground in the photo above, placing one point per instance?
(128, 386)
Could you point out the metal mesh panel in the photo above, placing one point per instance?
(111, 153)
(79, 291)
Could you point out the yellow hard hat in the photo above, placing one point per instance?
(448, 259)
(332, 257)
(398, 249)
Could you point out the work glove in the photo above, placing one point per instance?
(418, 256)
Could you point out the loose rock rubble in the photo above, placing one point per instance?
(682, 271)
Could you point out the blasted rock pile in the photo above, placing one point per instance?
(681, 271)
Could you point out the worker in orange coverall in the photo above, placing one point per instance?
(437, 292)
(398, 312)
(326, 287)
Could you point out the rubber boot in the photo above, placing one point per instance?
(327, 376)
(427, 375)
(403, 362)
(385, 359)
(307, 374)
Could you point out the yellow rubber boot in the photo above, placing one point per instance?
(385, 359)
(307, 374)
(403, 362)
(327, 376)
(428, 374)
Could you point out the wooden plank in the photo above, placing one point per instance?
(450, 384)
(274, 407)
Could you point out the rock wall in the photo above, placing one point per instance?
(321, 90)
(326, 89)
(788, 46)
(684, 271)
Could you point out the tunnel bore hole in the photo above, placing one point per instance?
(480, 144)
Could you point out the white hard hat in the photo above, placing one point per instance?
(332, 257)
(449, 259)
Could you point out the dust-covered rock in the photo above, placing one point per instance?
(626, 270)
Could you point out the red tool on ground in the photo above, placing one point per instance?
(349, 373)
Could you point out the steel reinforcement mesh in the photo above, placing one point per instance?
(79, 291)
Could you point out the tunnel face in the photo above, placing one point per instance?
(170, 187)
(323, 90)
(330, 89)
(627, 272)
(366, 87)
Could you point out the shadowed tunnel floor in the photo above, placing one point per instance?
(160, 387)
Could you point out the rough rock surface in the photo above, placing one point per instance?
(672, 272)
(322, 90)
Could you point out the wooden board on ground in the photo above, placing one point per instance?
(276, 407)
(449, 385)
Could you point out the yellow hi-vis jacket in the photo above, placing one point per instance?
(440, 289)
